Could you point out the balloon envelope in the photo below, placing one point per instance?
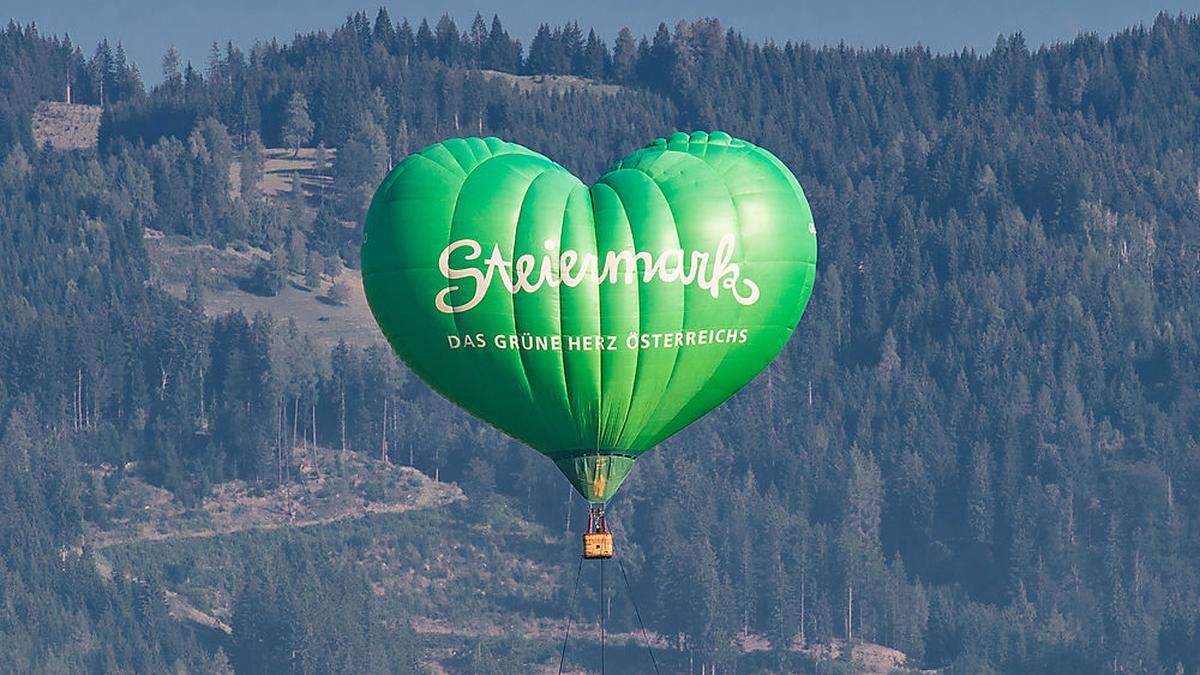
(589, 322)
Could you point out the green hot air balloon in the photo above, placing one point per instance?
(589, 322)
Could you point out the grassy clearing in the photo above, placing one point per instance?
(224, 271)
(558, 84)
(280, 165)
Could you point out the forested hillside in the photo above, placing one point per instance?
(981, 447)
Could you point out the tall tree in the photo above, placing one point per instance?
(250, 171)
(298, 126)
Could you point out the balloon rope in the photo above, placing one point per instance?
(633, 599)
(567, 635)
(602, 616)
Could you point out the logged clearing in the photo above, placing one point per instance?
(488, 560)
(349, 486)
(66, 126)
(180, 609)
(558, 84)
(866, 657)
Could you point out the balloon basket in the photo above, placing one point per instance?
(597, 540)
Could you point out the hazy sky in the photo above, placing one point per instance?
(147, 27)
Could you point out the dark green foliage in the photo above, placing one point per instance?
(269, 276)
(359, 167)
(251, 168)
(50, 590)
(295, 613)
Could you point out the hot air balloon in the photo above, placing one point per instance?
(590, 323)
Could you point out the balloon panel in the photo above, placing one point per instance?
(589, 322)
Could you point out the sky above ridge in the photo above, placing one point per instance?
(148, 27)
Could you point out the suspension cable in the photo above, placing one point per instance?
(633, 599)
(567, 635)
(602, 616)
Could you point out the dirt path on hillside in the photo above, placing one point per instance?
(151, 514)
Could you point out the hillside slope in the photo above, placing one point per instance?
(464, 576)
(348, 487)
(225, 275)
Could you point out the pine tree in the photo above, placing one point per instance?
(447, 41)
(384, 32)
(171, 62)
(313, 268)
(477, 40)
(624, 56)
(250, 171)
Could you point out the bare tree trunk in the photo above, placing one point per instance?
(279, 444)
(395, 419)
(1137, 573)
(87, 410)
(570, 498)
(95, 407)
(316, 455)
(283, 475)
(849, 613)
(383, 440)
(295, 422)
(342, 417)
(285, 451)
(803, 636)
(78, 421)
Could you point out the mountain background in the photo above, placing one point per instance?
(979, 453)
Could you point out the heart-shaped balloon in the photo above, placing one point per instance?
(590, 323)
